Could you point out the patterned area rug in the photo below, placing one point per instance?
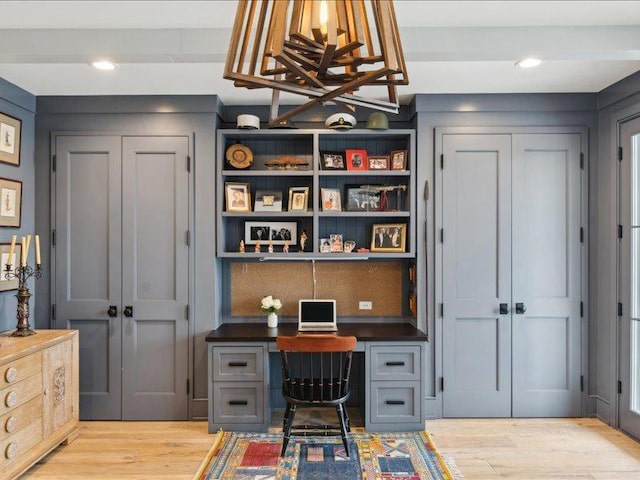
(384, 456)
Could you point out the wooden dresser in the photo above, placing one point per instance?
(38, 396)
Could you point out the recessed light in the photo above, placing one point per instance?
(528, 62)
(104, 65)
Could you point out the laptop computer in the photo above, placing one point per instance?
(317, 316)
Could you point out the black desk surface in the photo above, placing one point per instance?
(259, 332)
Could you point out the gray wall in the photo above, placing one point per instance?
(197, 116)
(615, 103)
(506, 111)
(20, 104)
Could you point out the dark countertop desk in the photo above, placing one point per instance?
(259, 332)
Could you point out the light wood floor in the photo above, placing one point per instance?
(531, 449)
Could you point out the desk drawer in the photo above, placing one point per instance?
(395, 402)
(13, 372)
(238, 403)
(395, 362)
(238, 364)
(17, 394)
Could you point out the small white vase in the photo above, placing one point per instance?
(272, 320)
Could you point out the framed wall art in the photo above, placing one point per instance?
(275, 232)
(388, 237)
(238, 197)
(10, 133)
(10, 202)
(11, 284)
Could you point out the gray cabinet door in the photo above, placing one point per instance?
(476, 278)
(546, 275)
(87, 263)
(121, 215)
(155, 281)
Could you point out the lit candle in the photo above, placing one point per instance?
(11, 250)
(26, 252)
(38, 250)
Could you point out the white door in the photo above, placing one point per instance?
(476, 259)
(629, 375)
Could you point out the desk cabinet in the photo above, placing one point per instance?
(38, 396)
(238, 387)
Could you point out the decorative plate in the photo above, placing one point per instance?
(239, 156)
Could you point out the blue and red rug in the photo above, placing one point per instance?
(384, 456)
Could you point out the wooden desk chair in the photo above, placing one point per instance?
(315, 373)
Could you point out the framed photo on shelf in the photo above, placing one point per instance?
(298, 199)
(356, 159)
(10, 202)
(379, 162)
(388, 237)
(275, 232)
(335, 240)
(331, 200)
(362, 198)
(399, 160)
(238, 197)
(332, 161)
(10, 130)
(325, 246)
(11, 284)
(268, 201)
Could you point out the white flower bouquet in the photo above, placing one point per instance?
(270, 304)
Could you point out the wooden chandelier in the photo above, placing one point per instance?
(321, 49)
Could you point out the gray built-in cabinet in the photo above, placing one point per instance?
(121, 259)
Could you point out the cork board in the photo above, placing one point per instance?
(347, 282)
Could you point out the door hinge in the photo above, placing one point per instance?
(187, 312)
(442, 161)
(581, 235)
(442, 310)
(53, 238)
(188, 387)
(619, 386)
(582, 383)
(581, 309)
(53, 163)
(188, 239)
(442, 235)
(619, 154)
(619, 309)
(442, 384)
(581, 161)
(53, 311)
(619, 231)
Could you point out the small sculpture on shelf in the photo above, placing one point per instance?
(285, 247)
(270, 247)
(303, 240)
(241, 246)
(257, 247)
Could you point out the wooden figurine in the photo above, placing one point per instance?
(241, 247)
(257, 248)
(270, 247)
(285, 247)
(303, 240)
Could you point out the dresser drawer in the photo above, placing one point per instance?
(395, 402)
(14, 448)
(395, 362)
(13, 372)
(238, 403)
(238, 364)
(15, 395)
(18, 418)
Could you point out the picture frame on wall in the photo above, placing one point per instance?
(275, 232)
(298, 199)
(357, 160)
(388, 237)
(10, 136)
(268, 201)
(9, 284)
(10, 202)
(238, 197)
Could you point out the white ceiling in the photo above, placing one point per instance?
(179, 47)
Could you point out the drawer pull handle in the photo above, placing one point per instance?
(237, 364)
(395, 402)
(11, 450)
(395, 364)
(11, 399)
(11, 424)
(11, 374)
(238, 402)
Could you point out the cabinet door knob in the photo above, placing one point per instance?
(504, 308)
(113, 311)
(11, 424)
(11, 399)
(128, 311)
(11, 374)
(520, 308)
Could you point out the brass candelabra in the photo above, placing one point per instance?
(23, 273)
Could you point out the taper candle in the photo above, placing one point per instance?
(38, 250)
(11, 250)
(23, 259)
